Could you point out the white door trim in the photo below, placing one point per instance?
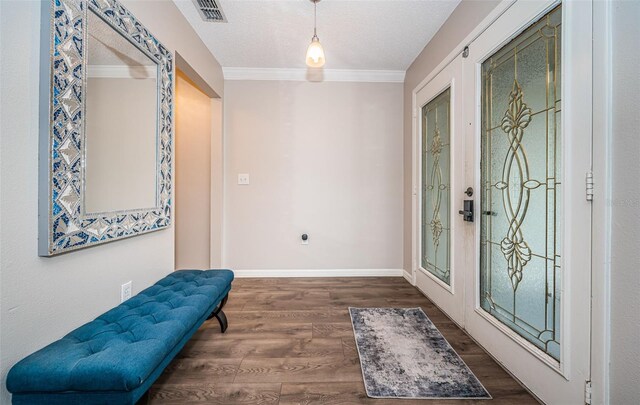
(601, 239)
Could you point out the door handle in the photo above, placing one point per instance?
(467, 212)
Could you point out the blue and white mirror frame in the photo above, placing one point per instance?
(63, 224)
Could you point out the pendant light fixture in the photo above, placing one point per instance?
(315, 53)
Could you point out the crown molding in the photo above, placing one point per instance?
(314, 75)
(122, 72)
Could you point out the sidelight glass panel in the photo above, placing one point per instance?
(435, 187)
(520, 251)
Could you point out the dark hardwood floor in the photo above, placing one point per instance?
(290, 341)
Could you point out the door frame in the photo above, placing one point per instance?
(602, 174)
(599, 325)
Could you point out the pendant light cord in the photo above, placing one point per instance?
(315, 18)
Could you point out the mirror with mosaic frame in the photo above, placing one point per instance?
(106, 127)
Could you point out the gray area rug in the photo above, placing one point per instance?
(403, 355)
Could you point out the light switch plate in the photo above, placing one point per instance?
(243, 179)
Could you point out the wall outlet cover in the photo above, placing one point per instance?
(125, 291)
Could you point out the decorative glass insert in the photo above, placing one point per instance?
(521, 191)
(436, 187)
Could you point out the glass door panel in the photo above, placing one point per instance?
(438, 239)
(436, 188)
(528, 119)
(520, 250)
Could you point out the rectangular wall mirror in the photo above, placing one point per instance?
(120, 170)
(106, 127)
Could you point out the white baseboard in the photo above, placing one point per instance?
(264, 273)
(407, 276)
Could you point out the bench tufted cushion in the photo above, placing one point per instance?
(121, 348)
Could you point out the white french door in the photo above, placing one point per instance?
(529, 131)
(440, 151)
(512, 122)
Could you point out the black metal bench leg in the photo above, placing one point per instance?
(222, 319)
(219, 315)
(144, 399)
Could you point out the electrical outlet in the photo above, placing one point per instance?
(125, 291)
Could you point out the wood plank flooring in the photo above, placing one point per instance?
(290, 341)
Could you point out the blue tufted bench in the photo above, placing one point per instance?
(115, 358)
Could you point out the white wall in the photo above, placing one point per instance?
(625, 241)
(324, 159)
(44, 298)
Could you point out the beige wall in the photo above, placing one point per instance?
(323, 159)
(625, 204)
(41, 299)
(217, 184)
(192, 176)
(460, 23)
(120, 154)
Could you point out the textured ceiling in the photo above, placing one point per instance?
(356, 34)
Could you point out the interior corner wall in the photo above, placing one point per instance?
(466, 16)
(324, 159)
(625, 204)
(217, 184)
(42, 299)
(192, 192)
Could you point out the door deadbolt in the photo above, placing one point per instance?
(467, 212)
(469, 191)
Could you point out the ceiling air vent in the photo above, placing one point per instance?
(210, 10)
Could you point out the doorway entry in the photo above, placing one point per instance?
(198, 171)
(503, 226)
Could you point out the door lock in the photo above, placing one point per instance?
(467, 212)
